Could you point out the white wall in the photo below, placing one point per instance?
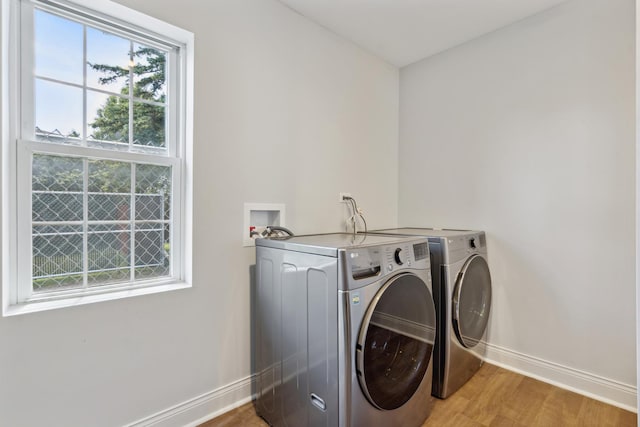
(637, 4)
(285, 112)
(528, 133)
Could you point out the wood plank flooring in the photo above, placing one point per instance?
(493, 397)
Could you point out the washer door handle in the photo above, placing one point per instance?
(318, 402)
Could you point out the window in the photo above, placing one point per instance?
(97, 153)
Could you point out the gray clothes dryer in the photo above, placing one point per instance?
(345, 330)
(462, 295)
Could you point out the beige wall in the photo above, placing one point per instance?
(285, 112)
(528, 133)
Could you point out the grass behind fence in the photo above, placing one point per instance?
(106, 265)
(99, 259)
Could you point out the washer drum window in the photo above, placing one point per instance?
(396, 342)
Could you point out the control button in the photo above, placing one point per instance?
(398, 256)
(472, 243)
(390, 267)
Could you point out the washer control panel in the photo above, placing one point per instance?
(399, 256)
(365, 263)
(375, 261)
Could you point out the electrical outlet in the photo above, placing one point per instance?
(343, 195)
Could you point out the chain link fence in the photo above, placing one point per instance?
(109, 246)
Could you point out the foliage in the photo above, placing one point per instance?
(56, 173)
(149, 77)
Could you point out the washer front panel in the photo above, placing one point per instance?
(472, 301)
(396, 342)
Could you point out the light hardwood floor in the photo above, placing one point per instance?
(493, 397)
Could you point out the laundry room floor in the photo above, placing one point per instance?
(493, 397)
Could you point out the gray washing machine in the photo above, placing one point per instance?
(345, 330)
(462, 292)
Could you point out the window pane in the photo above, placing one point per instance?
(149, 207)
(152, 250)
(107, 117)
(58, 115)
(148, 125)
(109, 176)
(109, 190)
(55, 173)
(149, 73)
(149, 79)
(57, 257)
(57, 206)
(109, 254)
(58, 48)
(153, 192)
(56, 189)
(57, 185)
(152, 239)
(108, 58)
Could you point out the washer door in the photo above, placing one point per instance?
(472, 301)
(396, 341)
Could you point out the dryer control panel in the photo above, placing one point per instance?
(461, 246)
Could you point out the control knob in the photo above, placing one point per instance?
(399, 256)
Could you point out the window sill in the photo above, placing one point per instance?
(72, 301)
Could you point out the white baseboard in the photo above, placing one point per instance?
(201, 408)
(596, 387)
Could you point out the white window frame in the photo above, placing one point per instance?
(17, 151)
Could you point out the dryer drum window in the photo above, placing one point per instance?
(396, 342)
(472, 301)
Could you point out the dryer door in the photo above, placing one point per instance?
(396, 341)
(472, 301)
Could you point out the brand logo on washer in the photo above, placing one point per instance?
(355, 299)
